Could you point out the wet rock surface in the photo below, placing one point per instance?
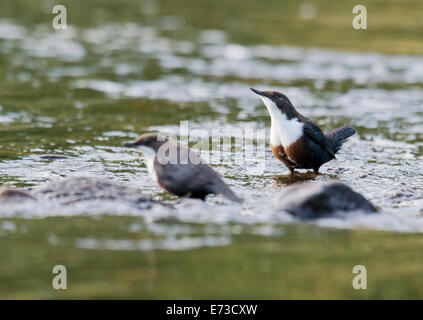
(315, 200)
(73, 190)
(13, 194)
(51, 157)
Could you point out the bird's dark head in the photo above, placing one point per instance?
(148, 140)
(275, 100)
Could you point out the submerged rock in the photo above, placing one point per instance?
(12, 194)
(322, 199)
(53, 157)
(73, 190)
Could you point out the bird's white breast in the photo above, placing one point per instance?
(150, 156)
(282, 131)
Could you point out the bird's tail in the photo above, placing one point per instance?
(338, 136)
(229, 194)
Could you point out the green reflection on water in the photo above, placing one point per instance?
(302, 262)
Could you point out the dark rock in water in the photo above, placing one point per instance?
(13, 194)
(52, 157)
(322, 199)
(73, 190)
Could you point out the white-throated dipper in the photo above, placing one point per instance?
(297, 141)
(179, 170)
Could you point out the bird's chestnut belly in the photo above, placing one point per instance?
(297, 151)
(297, 155)
(280, 154)
(301, 153)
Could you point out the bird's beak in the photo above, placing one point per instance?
(260, 93)
(130, 144)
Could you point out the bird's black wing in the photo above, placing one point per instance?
(195, 177)
(184, 178)
(314, 133)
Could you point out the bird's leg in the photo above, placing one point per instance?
(188, 195)
(292, 170)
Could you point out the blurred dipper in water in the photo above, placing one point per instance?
(180, 170)
(297, 141)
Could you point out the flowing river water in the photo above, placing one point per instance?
(81, 92)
